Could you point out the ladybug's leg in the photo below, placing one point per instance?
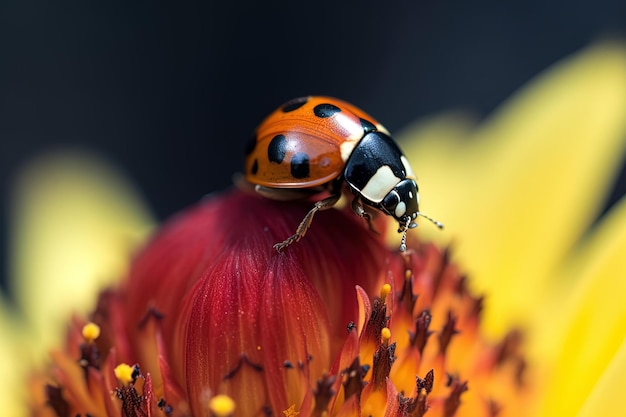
(306, 222)
(360, 211)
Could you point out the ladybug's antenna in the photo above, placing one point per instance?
(435, 222)
(410, 225)
(403, 241)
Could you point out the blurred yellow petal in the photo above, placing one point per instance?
(590, 327)
(14, 359)
(520, 190)
(75, 221)
(602, 400)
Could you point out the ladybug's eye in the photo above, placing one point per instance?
(390, 204)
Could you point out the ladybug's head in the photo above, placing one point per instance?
(402, 202)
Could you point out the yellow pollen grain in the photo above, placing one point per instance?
(91, 331)
(124, 373)
(291, 411)
(385, 334)
(222, 406)
(384, 291)
(408, 274)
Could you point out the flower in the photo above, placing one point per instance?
(522, 192)
(528, 267)
(337, 323)
(75, 219)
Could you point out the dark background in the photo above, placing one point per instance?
(171, 92)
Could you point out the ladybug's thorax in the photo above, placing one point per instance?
(376, 166)
(380, 174)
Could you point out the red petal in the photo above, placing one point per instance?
(294, 330)
(218, 257)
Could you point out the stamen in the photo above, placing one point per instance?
(385, 334)
(89, 353)
(124, 373)
(384, 292)
(222, 406)
(91, 331)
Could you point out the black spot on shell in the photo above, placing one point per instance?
(300, 165)
(325, 110)
(294, 104)
(255, 167)
(367, 126)
(277, 149)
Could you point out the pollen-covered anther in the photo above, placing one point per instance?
(125, 373)
(90, 332)
(384, 357)
(385, 336)
(384, 292)
(89, 354)
(221, 406)
(132, 402)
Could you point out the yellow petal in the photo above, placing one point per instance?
(75, 221)
(604, 400)
(587, 331)
(12, 371)
(519, 191)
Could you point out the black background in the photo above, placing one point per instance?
(171, 92)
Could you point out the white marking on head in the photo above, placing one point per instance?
(346, 149)
(380, 184)
(407, 167)
(400, 209)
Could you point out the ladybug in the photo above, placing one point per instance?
(314, 144)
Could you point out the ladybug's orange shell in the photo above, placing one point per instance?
(326, 142)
